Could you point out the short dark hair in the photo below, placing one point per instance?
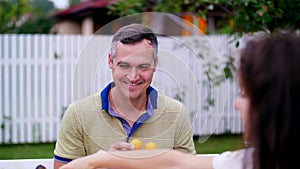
(132, 34)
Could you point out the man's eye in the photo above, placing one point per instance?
(124, 66)
(144, 67)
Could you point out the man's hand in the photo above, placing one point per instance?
(122, 146)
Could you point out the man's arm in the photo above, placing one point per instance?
(58, 164)
(145, 159)
(69, 143)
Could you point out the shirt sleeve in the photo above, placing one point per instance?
(70, 144)
(233, 159)
(184, 136)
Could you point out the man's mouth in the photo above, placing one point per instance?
(133, 85)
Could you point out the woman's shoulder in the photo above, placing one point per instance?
(234, 159)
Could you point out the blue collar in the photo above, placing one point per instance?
(151, 92)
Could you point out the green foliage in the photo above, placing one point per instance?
(73, 2)
(11, 13)
(240, 16)
(25, 16)
(264, 15)
(42, 6)
(38, 24)
(128, 7)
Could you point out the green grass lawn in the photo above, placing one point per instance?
(26, 151)
(214, 144)
(218, 143)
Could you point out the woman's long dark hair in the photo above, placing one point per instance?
(270, 73)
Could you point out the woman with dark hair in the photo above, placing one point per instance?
(269, 78)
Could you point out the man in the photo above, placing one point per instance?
(127, 108)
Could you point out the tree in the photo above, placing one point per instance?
(240, 16)
(11, 13)
(25, 16)
(41, 17)
(264, 15)
(74, 2)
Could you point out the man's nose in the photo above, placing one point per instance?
(133, 73)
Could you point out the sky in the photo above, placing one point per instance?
(60, 3)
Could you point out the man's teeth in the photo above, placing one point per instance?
(132, 84)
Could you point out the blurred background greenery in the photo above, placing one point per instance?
(235, 16)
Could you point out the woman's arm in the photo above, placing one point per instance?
(141, 159)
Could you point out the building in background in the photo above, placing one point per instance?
(89, 16)
(83, 18)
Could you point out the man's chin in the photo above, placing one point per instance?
(132, 96)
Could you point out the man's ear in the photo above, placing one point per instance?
(110, 61)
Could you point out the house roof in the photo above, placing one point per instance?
(81, 8)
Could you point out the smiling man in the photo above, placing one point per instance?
(127, 108)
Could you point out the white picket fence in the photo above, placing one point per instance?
(42, 74)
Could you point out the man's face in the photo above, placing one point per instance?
(133, 68)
